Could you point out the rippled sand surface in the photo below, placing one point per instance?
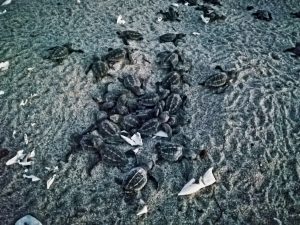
(251, 131)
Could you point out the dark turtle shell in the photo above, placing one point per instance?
(150, 127)
(173, 78)
(132, 83)
(164, 116)
(262, 15)
(135, 180)
(169, 151)
(131, 35)
(145, 114)
(113, 156)
(59, 53)
(168, 59)
(216, 81)
(173, 103)
(108, 128)
(130, 121)
(115, 55)
(149, 99)
(99, 69)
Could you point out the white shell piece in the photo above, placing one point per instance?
(208, 178)
(143, 210)
(191, 189)
(159, 19)
(50, 181)
(7, 2)
(204, 19)
(161, 134)
(137, 150)
(28, 219)
(3, 12)
(1, 92)
(120, 20)
(189, 183)
(175, 4)
(137, 138)
(31, 155)
(25, 163)
(128, 140)
(26, 139)
(186, 3)
(196, 33)
(4, 66)
(32, 177)
(20, 155)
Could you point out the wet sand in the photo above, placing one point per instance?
(251, 131)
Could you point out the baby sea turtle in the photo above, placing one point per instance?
(173, 103)
(108, 128)
(295, 50)
(171, 15)
(296, 14)
(118, 55)
(150, 127)
(219, 81)
(149, 99)
(59, 53)
(130, 35)
(171, 37)
(173, 79)
(169, 60)
(132, 83)
(130, 122)
(98, 67)
(113, 156)
(262, 15)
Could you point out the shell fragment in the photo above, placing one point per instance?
(7, 2)
(135, 140)
(191, 187)
(50, 181)
(143, 211)
(161, 134)
(204, 19)
(4, 66)
(120, 20)
(32, 177)
(20, 155)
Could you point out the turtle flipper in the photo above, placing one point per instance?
(289, 50)
(125, 41)
(89, 68)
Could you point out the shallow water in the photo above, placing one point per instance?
(251, 131)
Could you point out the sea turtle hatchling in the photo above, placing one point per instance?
(130, 35)
(108, 128)
(118, 55)
(149, 99)
(219, 81)
(99, 68)
(169, 60)
(172, 37)
(171, 15)
(59, 53)
(173, 103)
(132, 83)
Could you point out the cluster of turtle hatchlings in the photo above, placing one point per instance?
(138, 110)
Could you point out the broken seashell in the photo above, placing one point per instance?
(20, 155)
(26, 139)
(191, 189)
(137, 138)
(204, 19)
(196, 33)
(23, 102)
(137, 150)
(50, 181)
(161, 134)
(25, 163)
(29, 220)
(128, 140)
(120, 20)
(143, 211)
(1, 92)
(159, 19)
(3, 12)
(175, 4)
(4, 66)
(32, 177)
(7, 2)
(208, 178)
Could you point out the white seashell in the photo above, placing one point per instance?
(137, 150)
(175, 4)
(137, 138)
(26, 139)
(204, 19)
(78, 1)
(186, 3)
(31, 155)
(7, 2)
(23, 102)
(196, 33)
(189, 183)
(28, 219)
(3, 12)
(128, 140)
(14, 134)
(20, 155)
(32, 177)
(208, 178)
(30, 69)
(50, 181)
(159, 19)
(191, 189)
(120, 20)
(161, 134)
(25, 163)
(143, 210)
(4, 66)
(1, 92)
